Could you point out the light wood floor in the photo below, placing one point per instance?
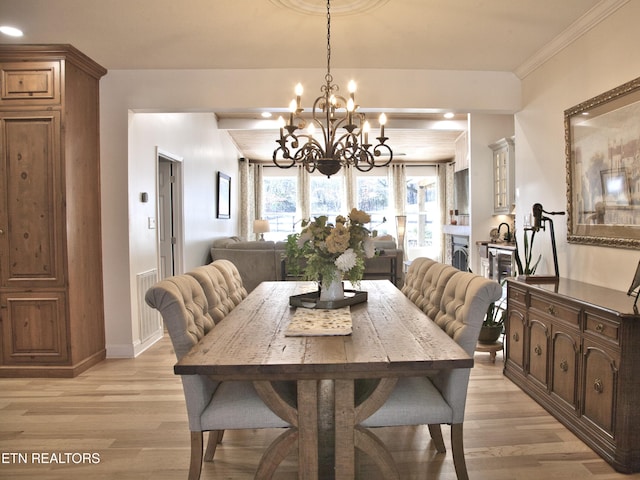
(131, 414)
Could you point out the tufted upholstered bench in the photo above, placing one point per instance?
(457, 302)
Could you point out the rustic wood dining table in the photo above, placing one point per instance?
(390, 338)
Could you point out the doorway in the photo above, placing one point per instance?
(170, 236)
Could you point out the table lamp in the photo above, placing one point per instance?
(261, 227)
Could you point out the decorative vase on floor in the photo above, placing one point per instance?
(333, 291)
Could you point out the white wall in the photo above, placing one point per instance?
(127, 144)
(484, 129)
(205, 151)
(602, 59)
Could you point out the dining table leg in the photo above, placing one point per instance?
(304, 430)
(349, 435)
(345, 455)
(308, 429)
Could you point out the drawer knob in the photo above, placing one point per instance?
(564, 366)
(551, 310)
(538, 350)
(599, 328)
(516, 337)
(598, 385)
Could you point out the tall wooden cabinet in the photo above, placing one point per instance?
(575, 348)
(51, 296)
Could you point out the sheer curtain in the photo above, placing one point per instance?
(445, 184)
(303, 210)
(246, 198)
(250, 197)
(349, 188)
(398, 183)
(257, 196)
(442, 203)
(398, 187)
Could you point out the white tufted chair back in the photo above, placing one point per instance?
(216, 290)
(184, 309)
(432, 288)
(413, 278)
(230, 272)
(464, 304)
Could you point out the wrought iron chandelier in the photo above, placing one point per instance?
(331, 112)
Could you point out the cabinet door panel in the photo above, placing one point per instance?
(31, 208)
(538, 351)
(30, 83)
(515, 336)
(34, 328)
(599, 387)
(564, 366)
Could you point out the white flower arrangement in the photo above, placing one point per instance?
(324, 251)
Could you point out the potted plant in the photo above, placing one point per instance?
(493, 323)
(529, 268)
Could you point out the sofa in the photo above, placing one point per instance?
(260, 261)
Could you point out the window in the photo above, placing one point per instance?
(372, 196)
(327, 196)
(279, 205)
(423, 213)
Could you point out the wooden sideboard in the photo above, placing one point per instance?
(575, 349)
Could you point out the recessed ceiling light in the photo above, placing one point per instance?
(449, 115)
(266, 114)
(11, 31)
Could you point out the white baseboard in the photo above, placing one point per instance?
(135, 349)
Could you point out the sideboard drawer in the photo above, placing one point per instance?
(603, 327)
(555, 309)
(516, 295)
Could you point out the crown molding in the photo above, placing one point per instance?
(598, 13)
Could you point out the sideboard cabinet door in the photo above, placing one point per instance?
(565, 357)
(599, 386)
(538, 350)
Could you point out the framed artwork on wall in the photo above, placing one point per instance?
(602, 148)
(224, 196)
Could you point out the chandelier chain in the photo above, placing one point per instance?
(328, 76)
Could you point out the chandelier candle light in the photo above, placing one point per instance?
(330, 113)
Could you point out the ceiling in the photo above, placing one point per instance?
(485, 35)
